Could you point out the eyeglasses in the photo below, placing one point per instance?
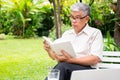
(77, 18)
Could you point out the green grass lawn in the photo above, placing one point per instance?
(23, 59)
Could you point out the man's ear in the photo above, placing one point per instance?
(87, 19)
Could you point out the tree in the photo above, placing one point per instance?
(56, 5)
(117, 25)
(59, 8)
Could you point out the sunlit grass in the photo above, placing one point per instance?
(23, 59)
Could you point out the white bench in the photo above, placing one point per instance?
(108, 69)
(110, 60)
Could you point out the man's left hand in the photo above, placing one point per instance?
(65, 57)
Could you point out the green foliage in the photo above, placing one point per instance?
(102, 16)
(5, 22)
(109, 44)
(65, 10)
(53, 31)
(47, 20)
(25, 18)
(16, 17)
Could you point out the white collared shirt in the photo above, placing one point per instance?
(88, 42)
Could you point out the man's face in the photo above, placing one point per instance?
(78, 20)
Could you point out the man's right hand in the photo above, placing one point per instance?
(46, 46)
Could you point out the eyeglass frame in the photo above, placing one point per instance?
(77, 19)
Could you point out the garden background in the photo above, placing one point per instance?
(24, 22)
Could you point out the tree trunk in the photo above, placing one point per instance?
(58, 28)
(57, 17)
(117, 25)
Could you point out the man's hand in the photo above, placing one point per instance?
(65, 57)
(46, 46)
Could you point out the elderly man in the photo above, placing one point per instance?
(86, 40)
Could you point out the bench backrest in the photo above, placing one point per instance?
(110, 60)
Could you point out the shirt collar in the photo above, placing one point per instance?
(84, 30)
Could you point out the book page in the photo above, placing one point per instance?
(60, 44)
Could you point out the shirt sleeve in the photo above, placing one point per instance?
(97, 44)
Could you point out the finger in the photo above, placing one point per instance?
(44, 41)
(65, 54)
(57, 58)
(60, 58)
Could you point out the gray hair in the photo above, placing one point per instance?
(81, 7)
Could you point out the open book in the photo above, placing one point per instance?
(61, 44)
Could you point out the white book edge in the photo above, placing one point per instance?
(49, 41)
(63, 45)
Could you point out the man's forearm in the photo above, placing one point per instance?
(88, 60)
